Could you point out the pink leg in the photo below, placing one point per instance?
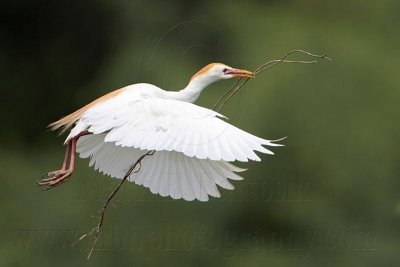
(73, 150)
(60, 176)
(66, 157)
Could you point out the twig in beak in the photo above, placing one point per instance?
(242, 81)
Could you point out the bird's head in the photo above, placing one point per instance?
(219, 71)
(209, 74)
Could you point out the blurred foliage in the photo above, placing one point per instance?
(330, 196)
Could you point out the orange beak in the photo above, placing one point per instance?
(238, 73)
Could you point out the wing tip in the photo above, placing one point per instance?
(272, 142)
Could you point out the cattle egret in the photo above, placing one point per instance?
(194, 146)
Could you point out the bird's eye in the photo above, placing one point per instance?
(224, 70)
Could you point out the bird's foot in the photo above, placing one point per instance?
(54, 178)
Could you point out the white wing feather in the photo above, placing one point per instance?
(166, 173)
(142, 118)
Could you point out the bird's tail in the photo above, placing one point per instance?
(66, 122)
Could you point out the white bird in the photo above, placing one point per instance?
(194, 146)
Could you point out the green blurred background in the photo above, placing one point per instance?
(330, 197)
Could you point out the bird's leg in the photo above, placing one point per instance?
(58, 177)
(61, 171)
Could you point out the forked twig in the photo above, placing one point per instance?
(242, 81)
(102, 211)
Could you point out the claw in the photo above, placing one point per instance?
(54, 178)
(47, 176)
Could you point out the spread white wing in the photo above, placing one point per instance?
(132, 119)
(193, 144)
(165, 173)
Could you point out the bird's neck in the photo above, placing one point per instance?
(193, 90)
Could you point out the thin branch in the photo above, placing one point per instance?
(242, 81)
(233, 91)
(102, 211)
(226, 93)
(274, 62)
